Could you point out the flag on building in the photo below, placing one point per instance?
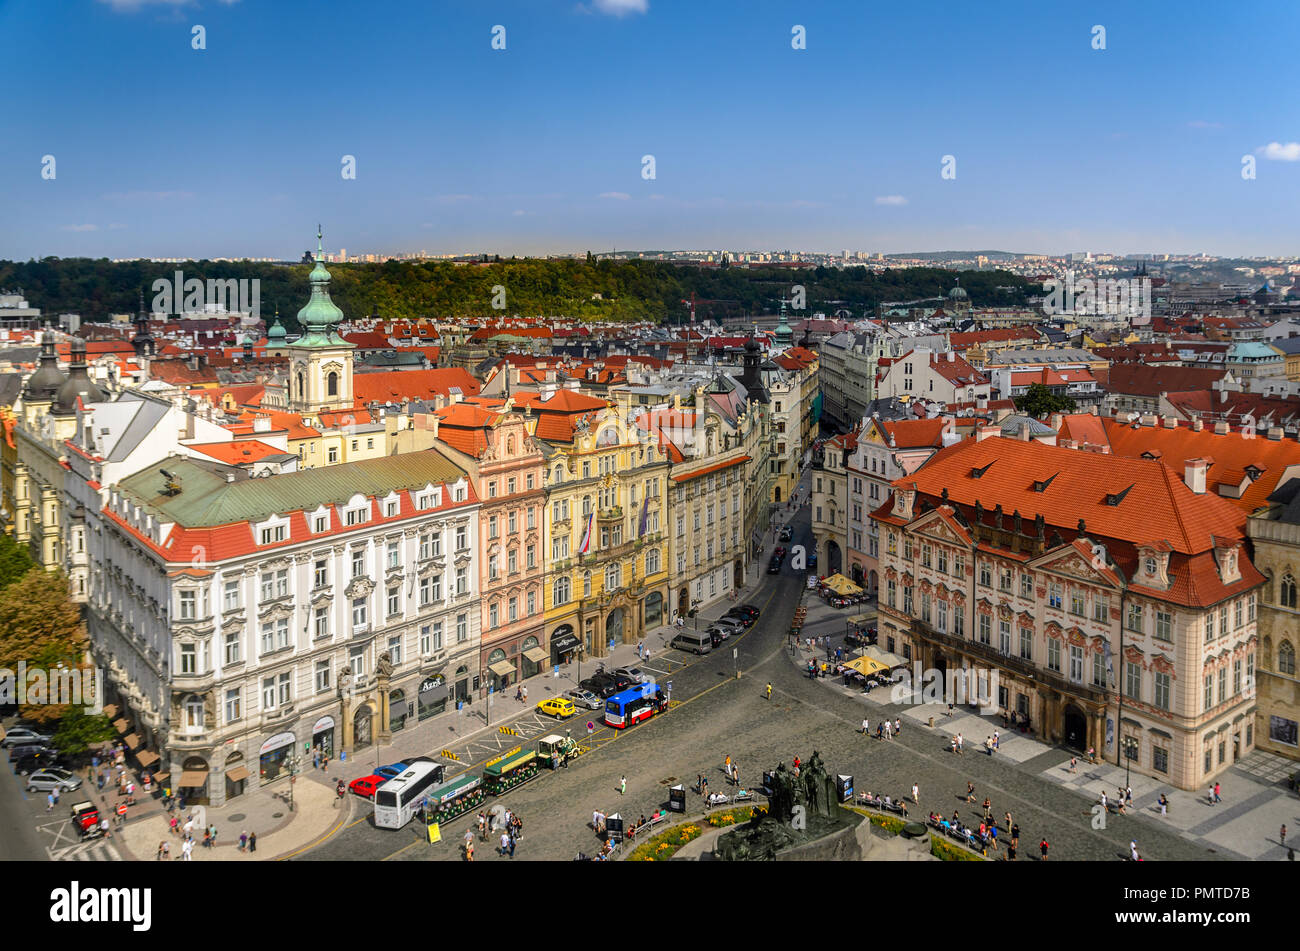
(645, 512)
(586, 535)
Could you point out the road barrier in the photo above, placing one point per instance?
(448, 754)
(507, 731)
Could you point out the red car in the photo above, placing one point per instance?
(365, 786)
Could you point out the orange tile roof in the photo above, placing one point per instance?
(716, 467)
(237, 452)
(395, 386)
(1083, 427)
(1232, 454)
(915, 433)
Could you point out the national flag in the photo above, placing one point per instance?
(645, 511)
(586, 535)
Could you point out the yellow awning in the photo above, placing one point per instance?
(502, 668)
(866, 666)
(841, 585)
(536, 654)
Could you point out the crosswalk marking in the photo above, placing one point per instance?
(100, 851)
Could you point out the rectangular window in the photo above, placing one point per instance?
(393, 555)
(425, 592)
(320, 523)
(492, 526)
(1053, 654)
(985, 629)
(285, 686)
(395, 650)
(1004, 579)
(358, 562)
(1026, 586)
(1076, 663)
(1004, 636)
(1132, 680)
(1160, 759)
(1098, 669)
(532, 603)
(321, 621)
(1237, 612)
(426, 640)
(1026, 643)
(959, 622)
(233, 652)
(394, 601)
(357, 660)
(189, 600)
(942, 563)
(462, 581)
(462, 628)
(1164, 625)
(943, 617)
(1101, 609)
(1054, 594)
(1162, 690)
(359, 614)
(189, 661)
(492, 616)
(512, 523)
(462, 538)
(268, 693)
(1236, 677)
(231, 598)
(1208, 698)
(323, 676)
(986, 576)
(233, 711)
(1077, 603)
(1135, 618)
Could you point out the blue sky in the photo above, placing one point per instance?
(162, 150)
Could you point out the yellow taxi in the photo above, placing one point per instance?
(558, 707)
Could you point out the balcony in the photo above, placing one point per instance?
(612, 514)
(995, 658)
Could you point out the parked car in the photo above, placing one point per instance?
(22, 734)
(43, 780)
(745, 612)
(23, 750)
(774, 566)
(812, 559)
(716, 636)
(392, 770)
(787, 533)
(365, 786)
(722, 632)
(779, 552)
(559, 707)
(34, 761)
(749, 607)
(734, 624)
(585, 698)
(634, 674)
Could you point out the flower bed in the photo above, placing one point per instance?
(665, 844)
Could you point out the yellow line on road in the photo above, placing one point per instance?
(616, 733)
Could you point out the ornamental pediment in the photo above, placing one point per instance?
(275, 610)
(359, 588)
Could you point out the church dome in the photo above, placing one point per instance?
(277, 333)
(958, 292)
(321, 315)
(78, 384)
(45, 382)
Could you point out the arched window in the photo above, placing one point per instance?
(586, 584)
(613, 577)
(1286, 659)
(510, 445)
(559, 473)
(1287, 591)
(332, 384)
(302, 386)
(560, 591)
(652, 561)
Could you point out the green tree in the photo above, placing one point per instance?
(1038, 401)
(14, 561)
(39, 625)
(78, 729)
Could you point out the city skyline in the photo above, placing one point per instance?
(538, 149)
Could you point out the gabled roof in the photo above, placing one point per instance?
(396, 386)
(915, 433)
(235, 453)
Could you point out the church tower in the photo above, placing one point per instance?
(320, 361)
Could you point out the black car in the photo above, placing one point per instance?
(739, 616)
(716, 636)
(747, 614)
(751, 607)
(34, 761)
(786, 534)
(774, 566)
(22, 750)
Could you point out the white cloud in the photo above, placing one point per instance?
(890, 200)
(80, 228)
(621, 196)
(619, 8)
(1281, 153)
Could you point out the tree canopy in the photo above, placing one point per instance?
(1039, 401)
(41, 627)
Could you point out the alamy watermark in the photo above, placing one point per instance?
(1128, 298)
(192, 296)
(36, 686)
(970, 685)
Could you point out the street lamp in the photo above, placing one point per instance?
(1130, 754)
(293, 763)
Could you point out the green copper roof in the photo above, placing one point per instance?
(206, 499)
(320, 318)
(277, 330)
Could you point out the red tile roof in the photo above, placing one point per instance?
(395, 386)
(1138, 379)
(237, 452)
(716, 467)
(915, 433)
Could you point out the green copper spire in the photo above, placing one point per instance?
(784, 332)
(320, 318)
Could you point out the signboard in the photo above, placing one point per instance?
(435, 834)
(324, 723)
(277, 741)
(502, 756)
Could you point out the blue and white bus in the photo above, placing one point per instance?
(397, 800)
(633, 705)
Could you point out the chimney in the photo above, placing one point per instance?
(1275, 433)
(952, 356)
(1194, 474)
(434, 421)
(1221, 428)
(1067, 443)
(1170, 422)
(984, 432)
(1198, 424)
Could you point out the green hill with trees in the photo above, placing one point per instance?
(590, 289)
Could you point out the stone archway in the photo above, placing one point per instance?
(684, 601)
(873, 583)
(362, 733)
(1074, 727)
(614, 626)
(834, 559)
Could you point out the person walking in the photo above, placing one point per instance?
(188, 849)
(1074, 764)
(996, 739)
(513, 840)
(161, 850)
(898, 725)
(961, 740)
(769, 691)
(622, 785)
(916, 794)
(889, 730)
(1283, 834)
(1042, 848)
(469, 849)
(252, 841)
(1133, 851)
(988, 745)
(970, 791)
(243, 841)
(1015, 836)
(1164, 806)
(866, 726)
(49, 801)
(504, 846)
(1217, 797)
(726, 766)
(207, 839)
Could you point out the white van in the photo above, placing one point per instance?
(697, 642)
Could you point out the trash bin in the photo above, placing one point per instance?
(614, 827)
(844, 787)
(932, 722)
(677, 798)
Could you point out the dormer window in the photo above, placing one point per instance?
(1151, 566)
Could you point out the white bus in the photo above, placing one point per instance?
(397, 800)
